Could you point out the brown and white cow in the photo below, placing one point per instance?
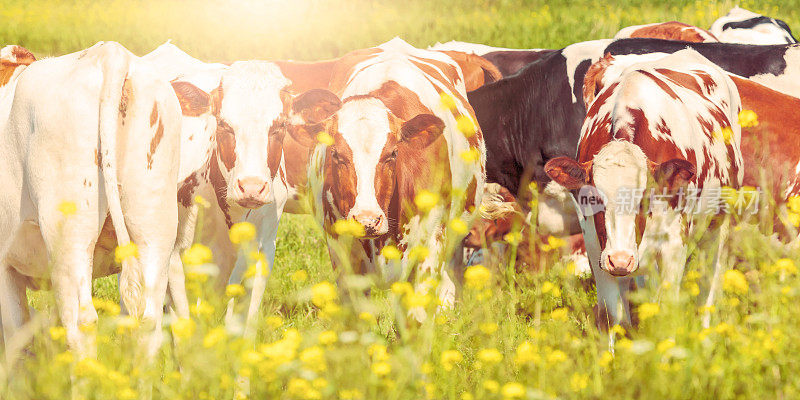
(672, 30)
(391, 139)
(234, 120)
(81, 135)
(744, 26)
(655, 126)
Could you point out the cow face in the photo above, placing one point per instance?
(617, 170)
(362, 164)
(250, 108)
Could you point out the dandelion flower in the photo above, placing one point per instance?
(214, 336)
(182, 328)
(58, 333)
(325, 138)
(470, 156)
(466, 125)
(578, 381)
(477, 276)
(425, 200)
(447, 101)
(401, 288)
(488, 328)
(418, 253)
(234, 290)
(733, 281)
(490, 356)
(459, 226)
(67, 208)
(201, 201)
(124, 252)
(198, 254)
(323, 293)
(647, 310)
(748, 118)
(327, 338)
(299, 276)
(513, 390)
(559, 314)
(450, 357)
(491, 385)
(242, 232)
(348, 227)
(391, 252)
(381, 368)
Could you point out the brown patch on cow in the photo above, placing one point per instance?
(154, 143)
(154, 115)
(96, 157)
(477, 70)
(773, 145)
(275, 147)
(307, 75)
(20, 56)
(340, 177)
(220, 186)
(125, 99)
(226, 145)
(401, 101)
(186, 190)
(682, 79)
(674, 30)
(194, 102)
(605, 94)
(593, 80)
(661, 84)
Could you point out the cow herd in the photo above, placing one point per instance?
(110, 159)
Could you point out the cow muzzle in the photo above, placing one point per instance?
(375, 224)
(251, 192)
(620, 263)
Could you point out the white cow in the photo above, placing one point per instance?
(82, 135)
(743, 26)
(234, 120)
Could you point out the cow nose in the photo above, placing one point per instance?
(621, 263)
(372, 222)
(253, 191)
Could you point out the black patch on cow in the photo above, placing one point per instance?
(580, 70)
(753, 22)
(511, 62)
(529, 118)
(741, 59)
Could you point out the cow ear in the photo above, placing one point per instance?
(477, 70)
(421, 130)
(567, 172)
(314, 106)
(194, 101)
(673, 174)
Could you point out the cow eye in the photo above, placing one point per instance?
(337, 158)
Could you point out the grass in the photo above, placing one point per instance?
(528, 335)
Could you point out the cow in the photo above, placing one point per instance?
(390, 139)
(655, 126)
(310, 77)
(234, 119)
(743, 26)
(672, 30)
(82, 132)
(508, 61)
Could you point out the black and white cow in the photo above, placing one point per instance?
(743, 26)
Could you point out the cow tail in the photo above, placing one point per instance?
(115, 64)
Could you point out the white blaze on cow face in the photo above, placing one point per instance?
(364, 125)
(251, 106)
(620, 167)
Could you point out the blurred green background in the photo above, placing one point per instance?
(224, 30)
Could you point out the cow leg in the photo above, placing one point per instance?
(177, 285)
(672, 257)
(269, 220)
(719, 268)
(13, 303)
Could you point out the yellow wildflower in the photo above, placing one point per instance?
(381, 368)
(418, 253)
(182, 328)
(425, 200)
(459, 226)
(299, 276)
(491, 385)
(466, 125)
(198, 254)
(490, 356)
(416, 299)
(67, 208)
(559, 314)
(391, 252)
(665, 345)
(470, 156)
(477, 276)
(447, 101)
(122, 253)
(323, 293)
(401, 288)
(450, 357)
(794, 219)
(725, 133)
(58, 333)
(313, 358)
(513, 238)
(550, 287)
(578, 381)
(556, 357)
(605, 359)
(325, 138)
(794, 204)
(214, 336)
(127, 394)
(786, 265)
(201, 201)
(488, 327)
(348, 227)
(202, 307)
(526, 353)
(734, 281)
(647, 310)
(366, 316)
(234, 290)
(242, 232)
(126, 323)
(274, 321)
(327, 338)
(748, 118)
(513, 390)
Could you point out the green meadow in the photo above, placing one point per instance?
(513, 334)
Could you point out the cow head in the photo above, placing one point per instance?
(616, 170)
(364, 160)
(250, 108)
